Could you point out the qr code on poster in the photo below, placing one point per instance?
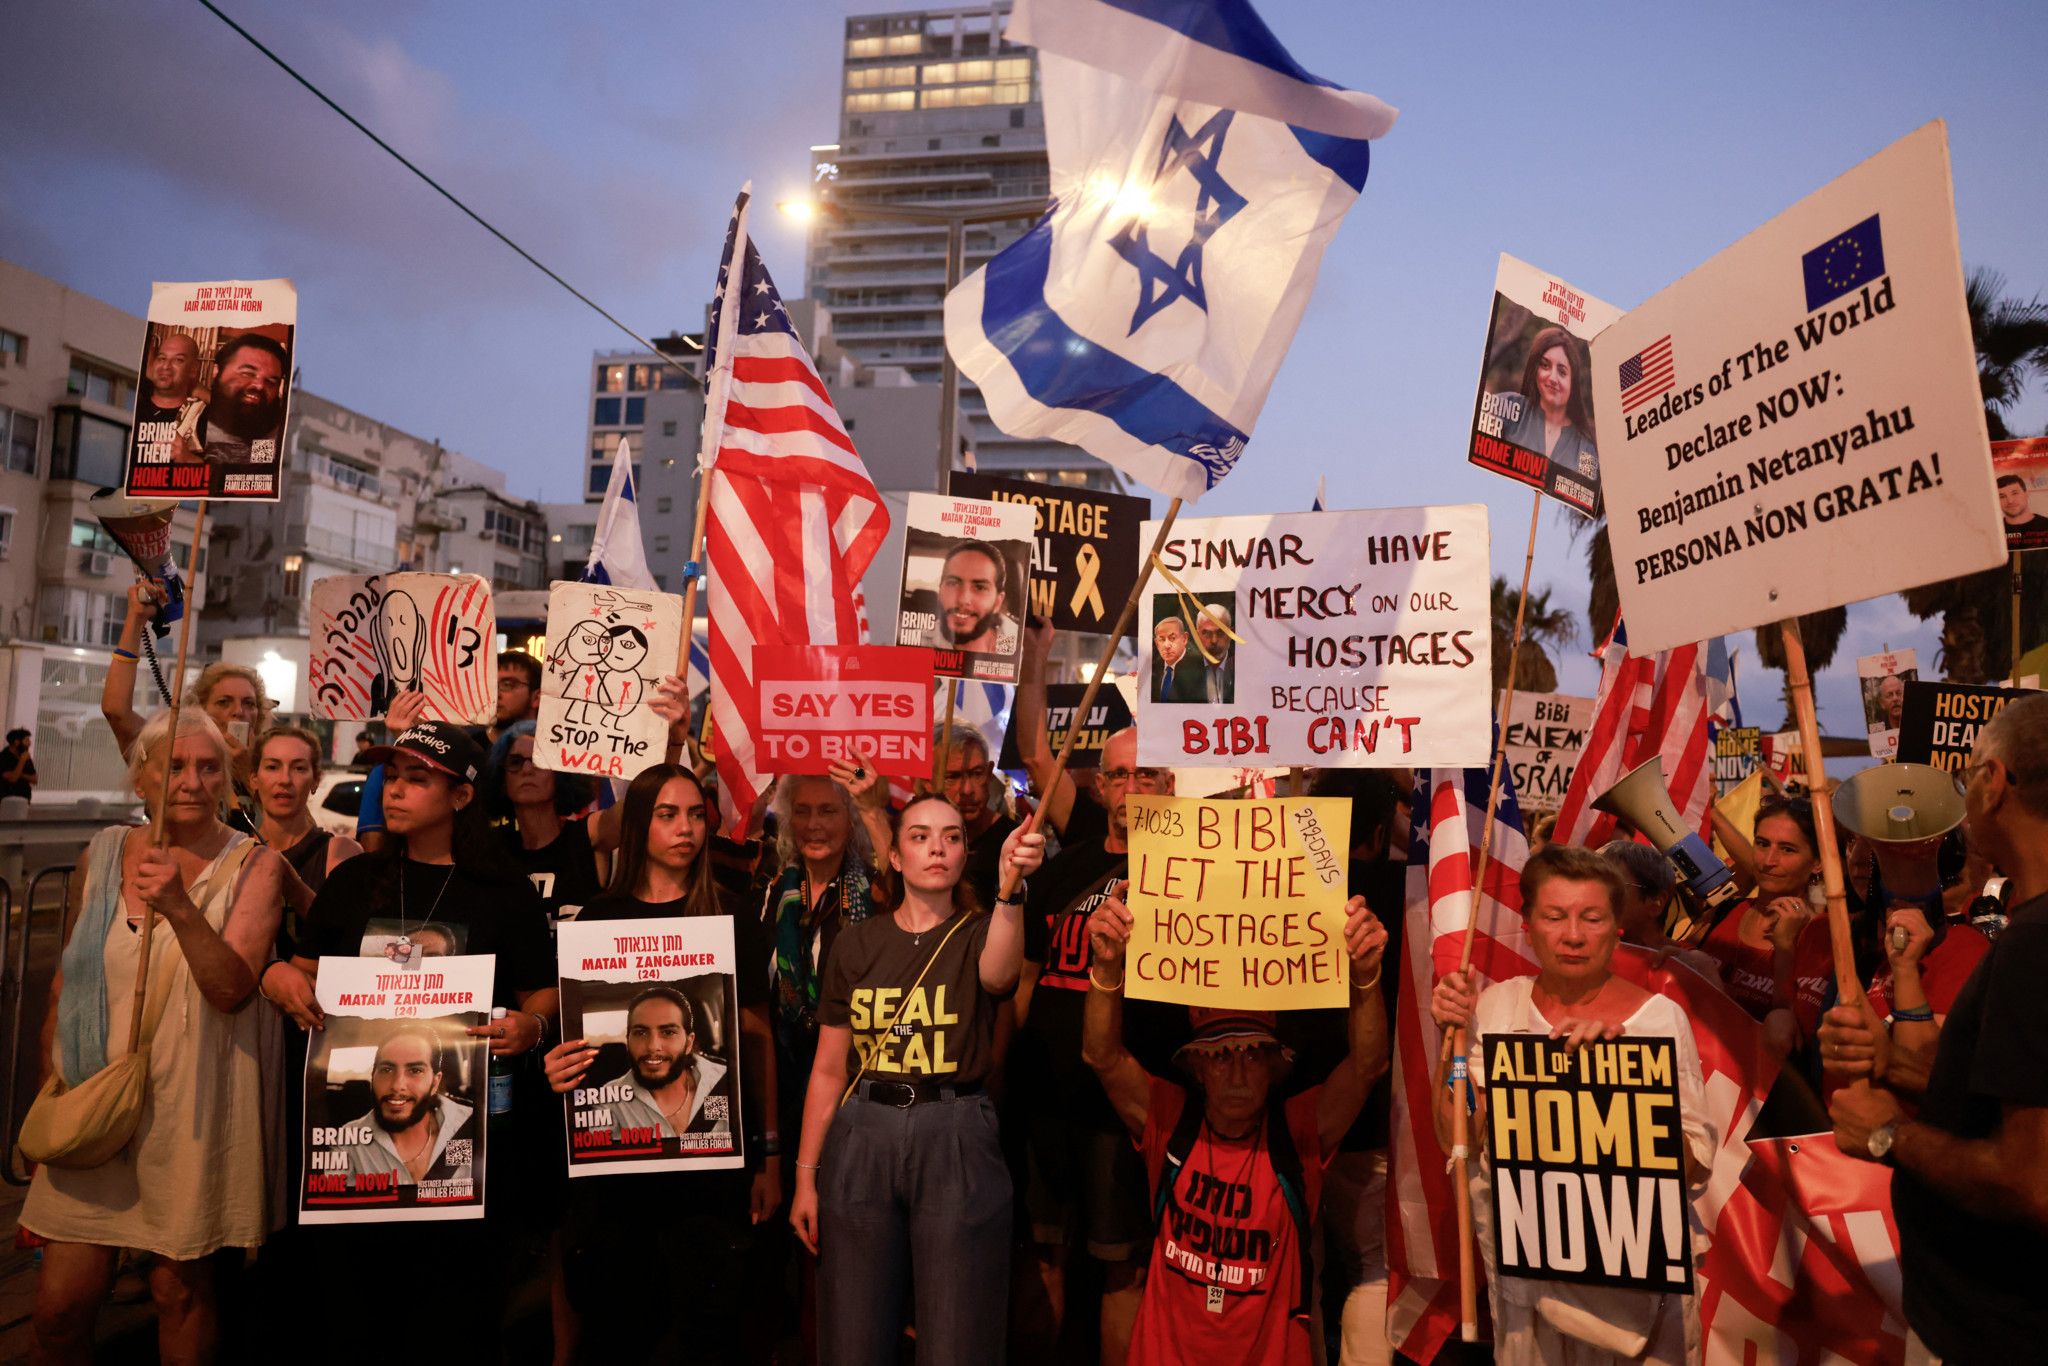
(456, 1154)
(715, 1109)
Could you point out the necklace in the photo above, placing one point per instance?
(404, 931)
(916, 936)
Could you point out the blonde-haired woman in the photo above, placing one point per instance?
(192, 1180)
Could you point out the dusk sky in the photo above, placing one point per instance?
(1617, 146)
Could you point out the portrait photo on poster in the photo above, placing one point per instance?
(1193, 659)
(1882, 679)
(656, 999)
(967, 584)
(396, 1091)
(1533, 418)
(214, 391)
(2022, 471)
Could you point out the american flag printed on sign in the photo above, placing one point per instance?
(793, 519)
(1646, 374)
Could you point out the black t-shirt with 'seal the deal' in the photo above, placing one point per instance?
(911, 1023)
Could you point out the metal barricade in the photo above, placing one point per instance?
(16, 956)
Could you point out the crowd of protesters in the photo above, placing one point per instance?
(1034, 1199)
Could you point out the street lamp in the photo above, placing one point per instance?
(955, 219)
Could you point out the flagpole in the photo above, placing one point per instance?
(945, 738)
(1011, 877)
(1847, 984)
(160, 828)
(1461, 1160)
(2015, 676)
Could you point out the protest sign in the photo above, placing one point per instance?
(656, 999)
(606, 649)
(1533, 419)
(1588, 1157)
(1940, 721)
(1238, 903)
(2021, 468)
(967, 583)
(1737, 752)
(818, 703)
(216, 384)
(1543, 735)
(1797, 424)
(1084, 562)
(397, 1095)
(1364, 640)
(375, 636)
(1883, 679)
(1105, 718)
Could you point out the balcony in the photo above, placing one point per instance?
(357, 552)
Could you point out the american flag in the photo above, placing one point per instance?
(1646, 374)
(1738, 1067)
(1647, 707)
(793, 518)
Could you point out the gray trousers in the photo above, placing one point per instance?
(922, 1195)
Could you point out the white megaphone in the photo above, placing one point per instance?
(1642, 799)
(1903, 810)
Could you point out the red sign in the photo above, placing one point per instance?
(818, 703)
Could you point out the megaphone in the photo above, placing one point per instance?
(1903, 810)
(1642, 799)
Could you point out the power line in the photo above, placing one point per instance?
(441, 189)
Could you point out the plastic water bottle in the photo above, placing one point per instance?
(502, 1070)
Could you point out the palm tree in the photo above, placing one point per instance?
(1542, 625)
(2011, 336)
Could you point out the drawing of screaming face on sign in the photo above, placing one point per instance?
(607, 648)
(376, 636)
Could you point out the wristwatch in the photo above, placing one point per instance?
(1880, 1141)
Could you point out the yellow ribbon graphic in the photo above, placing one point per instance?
(1089, 561)
(1189, 601)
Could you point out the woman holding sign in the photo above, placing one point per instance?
(633, 1242)
(899, 1163)
(1570, 900)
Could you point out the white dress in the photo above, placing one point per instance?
(1522, 1336)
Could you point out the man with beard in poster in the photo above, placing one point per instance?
(973, 590)
(670, 1080)
(249, 375)
(412, 1120)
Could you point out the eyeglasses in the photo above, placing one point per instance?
(1117, 777)
(979, 773)
(513, 761)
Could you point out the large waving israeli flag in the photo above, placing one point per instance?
(1197, 174)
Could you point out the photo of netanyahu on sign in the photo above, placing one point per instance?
(421, 1111)
(1194, 655)
(676, 1078)
(965, 595)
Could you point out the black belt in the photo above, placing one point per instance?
(904, 1094)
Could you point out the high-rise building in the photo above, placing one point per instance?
(936, 108)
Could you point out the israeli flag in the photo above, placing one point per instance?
(1197, 175)
(618, 556)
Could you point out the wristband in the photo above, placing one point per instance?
(1368, 986)
(1110, 987)
(808, 1166)
(130, 655)
(1915, 1015)
(770, 1145)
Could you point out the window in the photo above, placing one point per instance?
(1014, 69)
(6, 532)
(857, 48)
(887, 100)
(661, 545)
(87, 448)
(605, 445)
(643, 378)
(93, 536)
(13, 346)
(872, 77)
(100, 384)
(18, 433)
(611, 378)
(668, 428)
(606, 413)
(663, 504)
(294, 570)
(636, 412)
(672, 378)
(903, 44)
(600, 475)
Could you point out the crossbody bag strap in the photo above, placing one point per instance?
(904, 1000)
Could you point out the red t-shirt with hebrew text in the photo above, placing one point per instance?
(1226, 1264)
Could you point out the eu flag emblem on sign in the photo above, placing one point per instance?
(1840, 264)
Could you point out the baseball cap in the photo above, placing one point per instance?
(1225, 1031)
(441, 744)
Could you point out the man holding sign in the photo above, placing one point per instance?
(1236, 1173)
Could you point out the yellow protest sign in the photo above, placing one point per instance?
(1238, 903)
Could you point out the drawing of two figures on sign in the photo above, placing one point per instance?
(596, 666)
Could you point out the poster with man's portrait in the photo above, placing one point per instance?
(1192, 658)
(397, 1091)
(967, 583)
(1883, 679)
(2021, 468)
(656, 1000)
(214, 392)
(1533, 419)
